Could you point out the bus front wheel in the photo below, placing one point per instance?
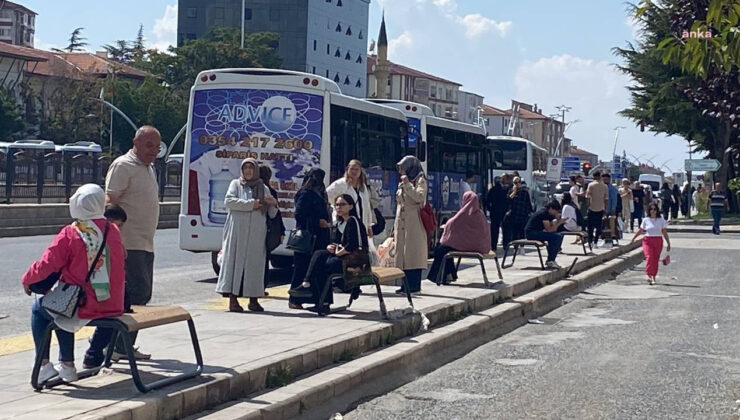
(214, 262)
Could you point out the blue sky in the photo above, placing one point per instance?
(542, 52)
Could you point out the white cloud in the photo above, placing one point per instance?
(633, 25)
(165, 29)
(596, 91)
(41, 45)
(477, 24)
(405, 41)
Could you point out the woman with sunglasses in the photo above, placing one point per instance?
(654, 229)
(350, 236)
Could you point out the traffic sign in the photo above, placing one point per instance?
(702, 165)
(571, 163)
(554, 167)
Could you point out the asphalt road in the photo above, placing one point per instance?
(619, 350)
(180, 277)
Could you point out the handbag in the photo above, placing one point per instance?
(356, 265)
(301, 240)
(426, 214)
(274, 232)
(65, 298)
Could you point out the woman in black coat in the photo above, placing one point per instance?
(676, 201)
(312, 214)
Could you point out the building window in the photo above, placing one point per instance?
(339, 27)
(361, 37)
(328, 50)
(327, 73)
(339, 3)
(192, 12)
(314, 44)
(347, 56)
(247, 14)
(346, 81)
(219, 12)
(358, 84)
(314, 70)
(190, 36)
(274, 14)
(349, 31)
(336, 78)
(359, 59)
(337, 54)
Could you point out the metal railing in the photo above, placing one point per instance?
(53, 177)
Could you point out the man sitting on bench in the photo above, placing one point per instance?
(542, 226)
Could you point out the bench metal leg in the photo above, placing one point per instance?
(483, 270)
(506, 254)
(583, 243)
(408, 291)
(45, 345)
(383, 310)
(498, 268)
(539, 253)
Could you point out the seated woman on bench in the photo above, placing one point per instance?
(466, 231)
(71, 253)
(351, 236)
(570, 215)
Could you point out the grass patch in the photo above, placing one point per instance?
(279, 377)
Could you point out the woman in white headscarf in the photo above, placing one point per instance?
(69, 259)
(248, 201)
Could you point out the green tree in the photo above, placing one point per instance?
(119, 51)
(76, 41)
(219, 49)
(665, 98)
(138, 49)
(11, 119)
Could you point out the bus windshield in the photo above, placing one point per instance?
(508, 155)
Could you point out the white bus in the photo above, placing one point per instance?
(507, 154)
(290, 121)
(447, 150)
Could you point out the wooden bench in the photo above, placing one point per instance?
(583, 236)
(381, 275)
(143, 317)
(473, 255)
(519, 243)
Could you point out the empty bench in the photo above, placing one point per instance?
(381, 275)
(472, 255)
(583, 236)
(143, 317)
(520, 243)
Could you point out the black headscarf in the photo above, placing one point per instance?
(314, 180)
(411, 166)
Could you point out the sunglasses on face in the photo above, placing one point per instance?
(338, 205)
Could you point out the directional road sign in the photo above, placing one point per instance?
(571, 163)
(702, 165)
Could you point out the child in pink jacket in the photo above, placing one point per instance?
(71, 252)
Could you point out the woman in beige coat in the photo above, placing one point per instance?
(409, 233)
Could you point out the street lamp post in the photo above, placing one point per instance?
(562, 109)
(616, 138)
(243, 6)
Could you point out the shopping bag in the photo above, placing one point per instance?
(667, 259)
(387, 253)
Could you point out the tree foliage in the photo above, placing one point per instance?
(11, 120)
(76, 41)
(667, 98)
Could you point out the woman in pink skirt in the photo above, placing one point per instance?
(654, 229)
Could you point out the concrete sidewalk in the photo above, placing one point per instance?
(247, 353)
(697, 228)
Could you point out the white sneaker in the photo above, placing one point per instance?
(47, 372)
(67, 373)
(601, 244)
(553, 264)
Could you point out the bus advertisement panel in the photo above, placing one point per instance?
(278, 128)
